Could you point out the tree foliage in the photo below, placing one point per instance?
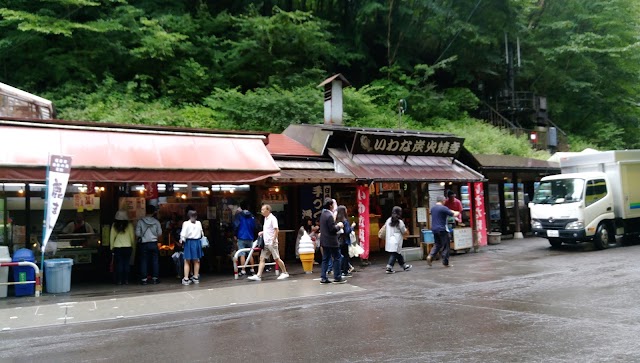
(254, 65)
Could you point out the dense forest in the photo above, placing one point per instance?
(255, 65)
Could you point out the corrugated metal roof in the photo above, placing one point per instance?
(312, 176)
(283, 145)
(310, 172)
(512, 162)
(296, 164)
(416, 168)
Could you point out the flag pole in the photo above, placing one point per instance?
(44, 221)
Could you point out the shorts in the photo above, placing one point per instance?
(244, 243)
(193, 249)
(270, 250)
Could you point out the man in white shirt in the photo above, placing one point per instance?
(270, 235)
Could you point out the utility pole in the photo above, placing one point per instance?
(402, 107)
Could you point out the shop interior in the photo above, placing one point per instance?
(21, 219)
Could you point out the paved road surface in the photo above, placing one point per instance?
(519, 301)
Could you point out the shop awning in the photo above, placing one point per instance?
(126, 155)
(310, 172)
(396, 168)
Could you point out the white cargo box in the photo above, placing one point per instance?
(622, 169)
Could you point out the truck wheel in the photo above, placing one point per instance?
(602, 237)
(555, 242)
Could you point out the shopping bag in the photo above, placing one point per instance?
(204, 241)
(382, 233)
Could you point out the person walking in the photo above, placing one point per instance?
(244, 225)
(439, 214)
(394, 236)
(148, 230)
(345, 241)
(121, 240)
(270, 235)
(329, 243)
(190, 236)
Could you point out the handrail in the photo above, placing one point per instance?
(250, 250)
(556, 126)
(37, 282)
(504, 122)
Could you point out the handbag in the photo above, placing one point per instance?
(382, 233)
(204, 241)
(259, 243)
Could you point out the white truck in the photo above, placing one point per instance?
(596, 197)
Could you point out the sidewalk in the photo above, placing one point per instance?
(89, 291)
(86, 302)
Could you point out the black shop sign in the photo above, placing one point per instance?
(416, 145)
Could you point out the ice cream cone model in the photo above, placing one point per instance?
(307, 250)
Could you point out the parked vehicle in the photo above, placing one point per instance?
(595, 199)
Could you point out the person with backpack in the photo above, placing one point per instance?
(244, 226)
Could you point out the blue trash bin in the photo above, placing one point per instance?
(57, 275)
(427, 236)
(24, 273)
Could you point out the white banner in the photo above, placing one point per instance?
(57, 178)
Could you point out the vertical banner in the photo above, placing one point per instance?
(150, 190)
(311, 200)
(363, 218)
(479, 220)
(58, 171)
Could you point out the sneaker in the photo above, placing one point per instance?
(390, 271)
(351, 269)
(283, 276)
(429, 258)
(242, 273)
(155, 281)
(325, 281)
(143, 282)
(196, 280)
(407, 267)
(254, 278)
(347, 274)
(447, 265)
(341, 281)
(186, 282)
(316, 262)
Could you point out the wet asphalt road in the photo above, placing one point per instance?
(519, 301)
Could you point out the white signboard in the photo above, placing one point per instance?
(422, 215)
(462, 238)
(58, 172)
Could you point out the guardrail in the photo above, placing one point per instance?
(251, 251)
(37, 282)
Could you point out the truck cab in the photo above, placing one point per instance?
(573, 208)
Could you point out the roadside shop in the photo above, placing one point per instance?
(123, 167)
(396, 167)
(511, 182)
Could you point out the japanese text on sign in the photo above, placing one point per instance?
(312, 199)
(417, 145)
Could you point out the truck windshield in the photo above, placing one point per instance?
(559, 191)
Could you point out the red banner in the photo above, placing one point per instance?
(150, 190)
(479, 220)
(363, 219)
